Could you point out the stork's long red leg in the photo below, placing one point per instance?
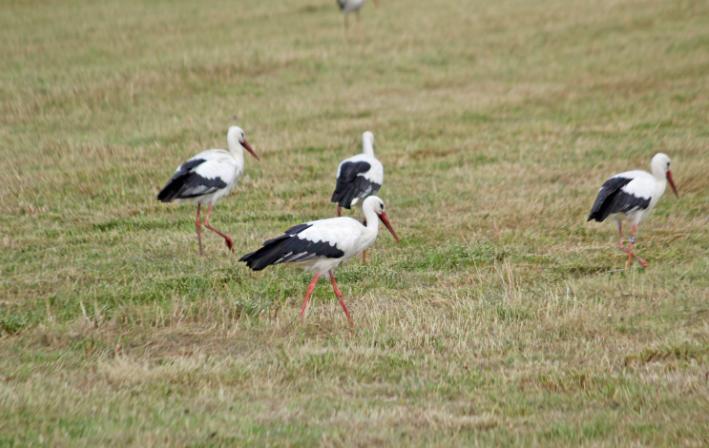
(339, 210)
(364, 256)
(308, 293)
(339, 295)
(629, 251)
(227, 239)
(621, 243)
(198, 228)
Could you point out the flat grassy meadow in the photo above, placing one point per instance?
(502, 317)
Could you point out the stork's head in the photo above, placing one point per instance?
(376, 205)
(236, 136)
(660, 166)
(368, 142)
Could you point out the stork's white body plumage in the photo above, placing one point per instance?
(643, 186)
(348, 6)
(321, 246)
(346, 234)
(631, 196)
(227, 166)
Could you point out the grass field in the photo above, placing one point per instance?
(502, 317)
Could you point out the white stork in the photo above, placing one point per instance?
(207, 177)
(349, 6)
(358, 177)
(320, 246)
(631, 195)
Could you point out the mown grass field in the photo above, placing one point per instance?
(502, 318)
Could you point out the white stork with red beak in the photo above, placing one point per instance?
(631, 195)
(207, 177)
(321, 246)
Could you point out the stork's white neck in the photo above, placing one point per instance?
(368, 147)
(371, 231)
(659, 165)
(659, 172)
(235, 148)
(660, 186)
(372, 220)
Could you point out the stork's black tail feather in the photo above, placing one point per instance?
(599, 213)
(600, 210)
(185, 183)
(266, 255)
(172, 189)
(344, 196)
(351, 183)
(610, 199)
(346, 193)
(280, 249)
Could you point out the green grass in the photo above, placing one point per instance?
(502, 318)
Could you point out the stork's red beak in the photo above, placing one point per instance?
(385, 219)
(250, 149)
(672, 182)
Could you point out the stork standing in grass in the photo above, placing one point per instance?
(207, 177)
(358, 177)
(631, 195)
(321, 246)
(347, 7)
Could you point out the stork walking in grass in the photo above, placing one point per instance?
(358, 176)
(630, 196)
(321, 246)
(206, 178)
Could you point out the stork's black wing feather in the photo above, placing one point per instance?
(292, 231)
(612, 199)
(351, 185)
(186, 183)
(290, 248)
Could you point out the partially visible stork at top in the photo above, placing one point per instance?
(207, 177)
(349, 6)
(631, 195)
